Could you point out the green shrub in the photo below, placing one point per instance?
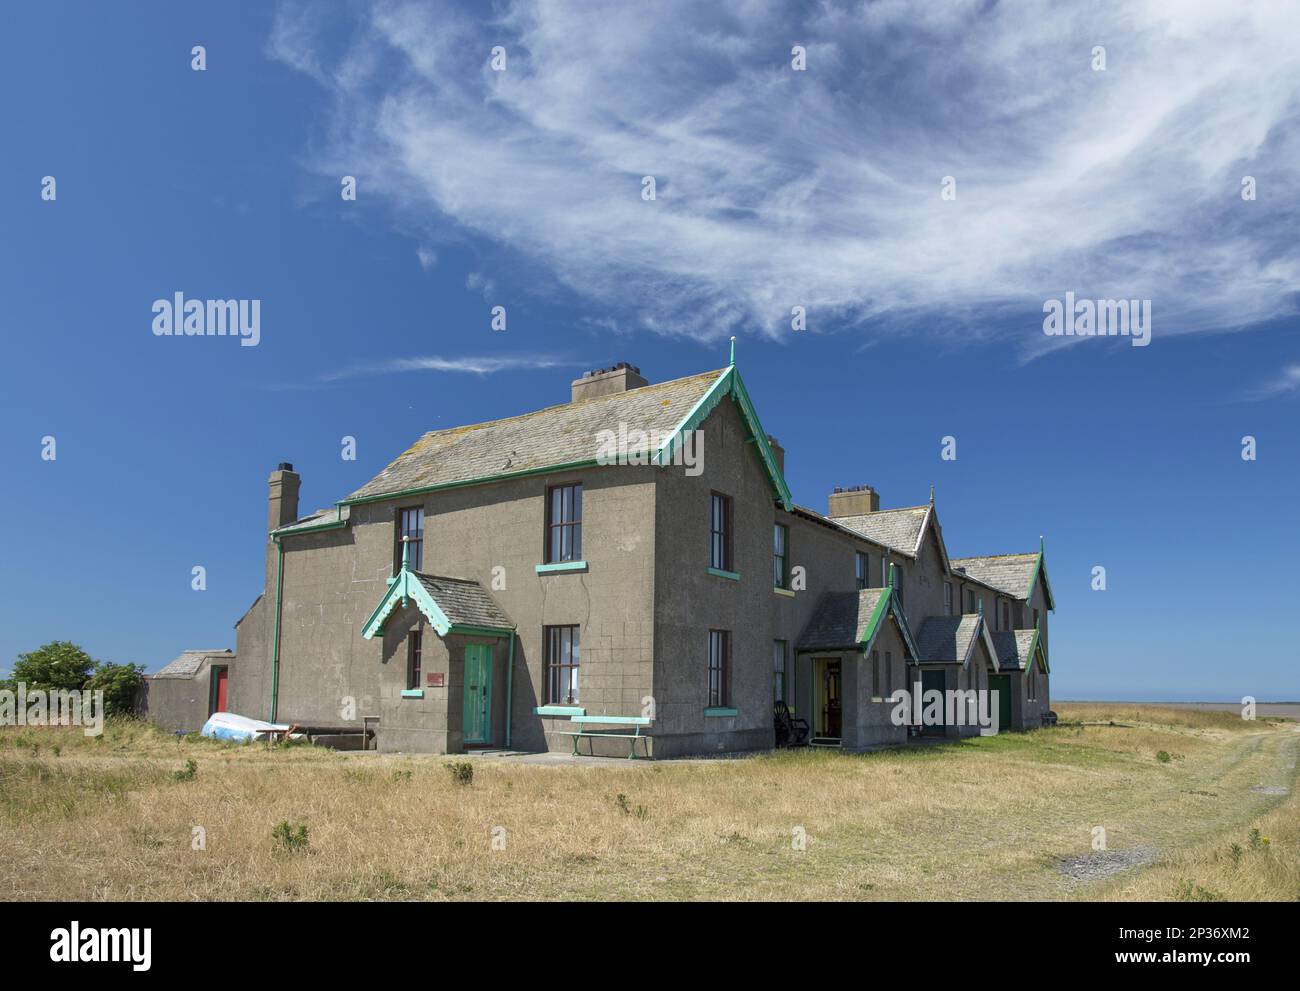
(290, 838)
(186, 773)
(462, 772)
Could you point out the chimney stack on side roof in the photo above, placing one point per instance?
(853, 500)
(619, 377)
(282, 506)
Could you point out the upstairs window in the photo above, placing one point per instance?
(562, 657)
(861, 569)
(719, 667)
(898, 583)
(564, 523)
(720, 532)
(970, 600)
(780, 556)
(414, 643)
(410, 523)
(947, 598)
(1006, 615)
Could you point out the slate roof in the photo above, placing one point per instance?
(947, 638)
(1010, 573)
(318, 518)
(548, 438)
(464, 602)
(189, 663)
(840, 620)
(899, 529)
(1013, 648)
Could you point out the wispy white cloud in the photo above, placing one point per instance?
(428, 258)
(1287, 381)
(821, 188)
(434, 363)
(470, 365)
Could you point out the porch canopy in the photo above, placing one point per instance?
(1017, 649)
(952, 639)
(852, 621)
(451, 605)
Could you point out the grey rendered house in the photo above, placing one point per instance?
(498, 579)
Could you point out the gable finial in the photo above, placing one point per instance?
(931, 495)
(733, 351)
(406, 551)
(1040, 543)
(980, 601)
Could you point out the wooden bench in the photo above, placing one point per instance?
(636, 722)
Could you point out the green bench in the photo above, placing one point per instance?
(623, 722)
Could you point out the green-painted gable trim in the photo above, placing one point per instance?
(406, 586)
(1036, 649)
(888, 604)
(1040, 567)
(730, 384)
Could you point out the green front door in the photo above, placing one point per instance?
(478, 693)
(1001, 683)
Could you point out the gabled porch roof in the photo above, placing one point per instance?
(451, 605)
(853, 620)
(952, 639)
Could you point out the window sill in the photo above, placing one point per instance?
(713, 711)
(559, 711)
(546, 569)
(412, 693)
(720, 573)
(787, 592)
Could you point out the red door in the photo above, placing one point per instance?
(220, 694)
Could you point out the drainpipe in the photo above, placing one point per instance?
(510, 685)
(275, 655)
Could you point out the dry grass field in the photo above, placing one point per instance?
(1195, 805)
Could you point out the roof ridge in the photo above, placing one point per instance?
(985, 557)
(581, 402)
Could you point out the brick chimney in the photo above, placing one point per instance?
(853, 500)
(778, 452)
(620, 377)
(283, 502)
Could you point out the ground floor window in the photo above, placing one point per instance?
(562, 657)
(414, 649)
(778, 670)
(719, 666)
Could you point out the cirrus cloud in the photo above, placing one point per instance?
(821, 188)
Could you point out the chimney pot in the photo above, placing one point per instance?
(282, 503)
(853, 500)
(621, 377)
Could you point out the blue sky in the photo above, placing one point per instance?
(775, 188)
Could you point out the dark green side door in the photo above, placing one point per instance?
(1001, 683)
(477, 724)
(933, 681)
